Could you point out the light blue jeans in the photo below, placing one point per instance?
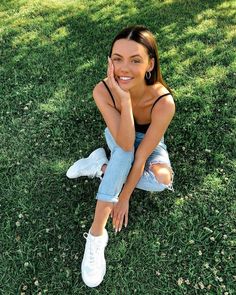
(120, 164)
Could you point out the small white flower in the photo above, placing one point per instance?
(207, 151)
(180, 281)
(191, 242)
(200, 253)
(225, 237)
(76, 257)
(201, 285)
(47, 230)
(20, 216)
(212, 239)
(18, 223)
(208, 229)
(36, 283)
(26, 264)
(187, 282)
(206, 265)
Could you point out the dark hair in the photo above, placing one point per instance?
(143, 36)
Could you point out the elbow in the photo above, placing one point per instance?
(125, 144)
(127, 147)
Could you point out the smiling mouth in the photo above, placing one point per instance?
(124, 79)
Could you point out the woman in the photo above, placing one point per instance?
(137, 107)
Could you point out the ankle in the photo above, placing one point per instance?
(96, 231)
(104, 166)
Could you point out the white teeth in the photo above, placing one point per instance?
(125, 78)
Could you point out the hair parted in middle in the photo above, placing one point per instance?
(143, 36)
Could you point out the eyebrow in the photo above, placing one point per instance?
(135, 55)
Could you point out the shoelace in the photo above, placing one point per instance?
(94, 250)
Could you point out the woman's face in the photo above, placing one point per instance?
(131, 62)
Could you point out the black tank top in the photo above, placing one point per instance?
(138, 127)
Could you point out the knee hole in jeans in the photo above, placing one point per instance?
(162, 173)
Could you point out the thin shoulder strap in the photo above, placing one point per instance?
(109, 92)
(160, 97)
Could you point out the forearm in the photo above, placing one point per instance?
(135, 174)
(126, 131)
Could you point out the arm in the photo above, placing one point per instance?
(161, 118)
(120, 124)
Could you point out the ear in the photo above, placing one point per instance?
(151, 64)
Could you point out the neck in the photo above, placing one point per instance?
(137, 93)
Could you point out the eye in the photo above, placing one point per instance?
(116, 59)
(136, 61)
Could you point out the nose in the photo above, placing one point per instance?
(123, 67)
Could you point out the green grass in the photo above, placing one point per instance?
(52, 55)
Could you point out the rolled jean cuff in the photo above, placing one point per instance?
(107, 198)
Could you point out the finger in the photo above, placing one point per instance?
(111, 213)
(117, 226)
(120, 223)
(108, 68)
(111, 73)
(126, 219)
(116, 221)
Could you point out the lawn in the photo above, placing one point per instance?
(52, 54)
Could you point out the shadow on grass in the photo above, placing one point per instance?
(54, 53)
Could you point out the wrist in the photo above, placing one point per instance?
(126, 102)
(124, 197)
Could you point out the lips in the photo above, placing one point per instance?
(124, 79)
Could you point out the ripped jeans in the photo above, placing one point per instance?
(120, 164)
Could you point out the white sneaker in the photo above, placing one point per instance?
(93, 266)
(90, 166)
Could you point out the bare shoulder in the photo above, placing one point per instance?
(101, 94)
(166, 104)
(159, 90)
(99, 90)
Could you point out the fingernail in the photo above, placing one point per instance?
(116, 230)
(119, 229)
(125, 225)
